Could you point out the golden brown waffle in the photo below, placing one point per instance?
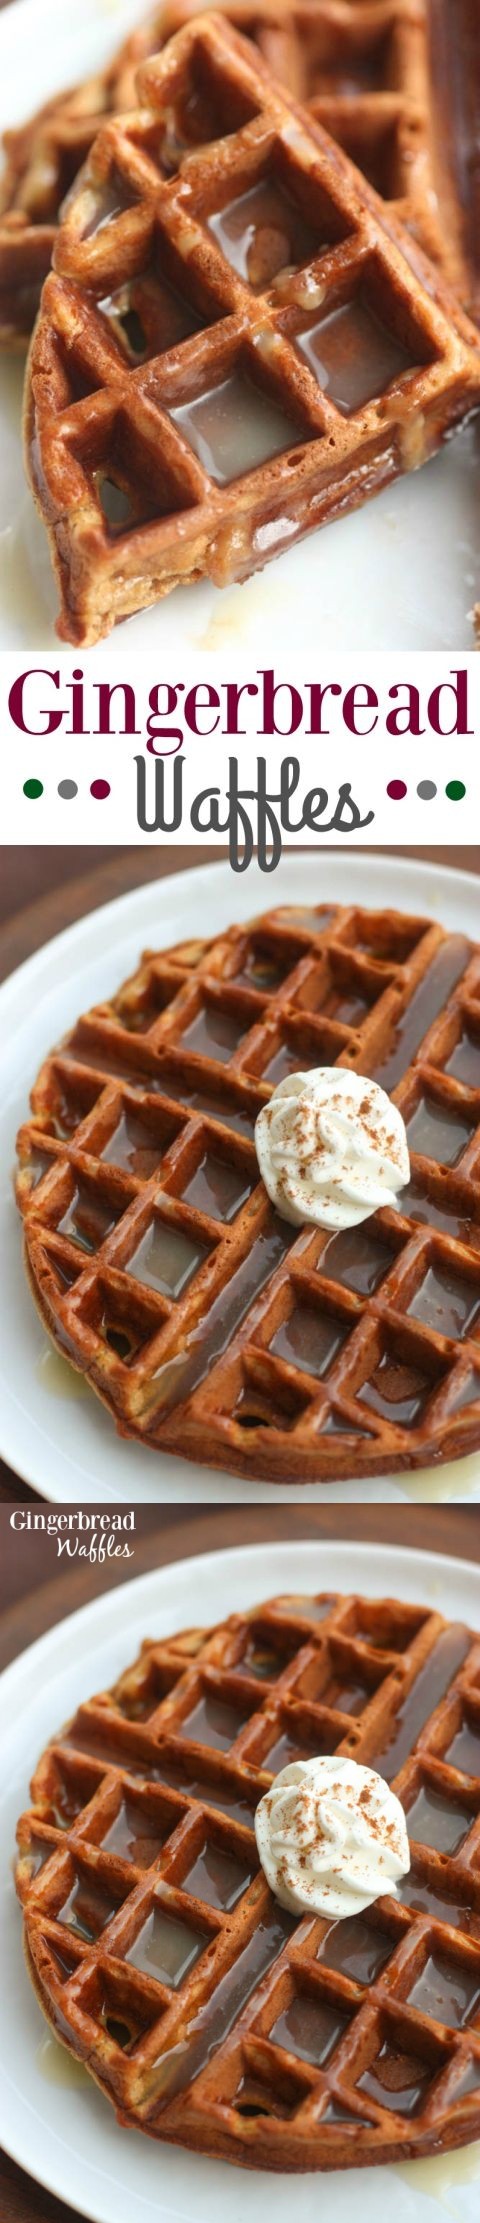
(364, 68)
(176, 421)
(377, 51)
(42, 160)
(397, 83)
(208, 2015)
(211, 1327)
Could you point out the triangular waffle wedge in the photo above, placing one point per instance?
(209, 2016)
(177, 419)
(363, 66)
(211, 1327)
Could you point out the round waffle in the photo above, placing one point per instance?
(208, 2015)
(210, 1326)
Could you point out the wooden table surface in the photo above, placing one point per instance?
(37, 1588)
(41, 1591)
(44, 890)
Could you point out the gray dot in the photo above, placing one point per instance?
(426, 790)
(67, 789)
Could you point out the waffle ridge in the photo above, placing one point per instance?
(208, 2016)
(209, 1325)
(362, 67)
(176, 424)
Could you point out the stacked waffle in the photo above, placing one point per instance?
(246, 334)
(208, 2015)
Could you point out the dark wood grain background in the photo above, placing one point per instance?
(45, 890)
(38, 1591)
(70, 882)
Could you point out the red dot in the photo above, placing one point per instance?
(100, 788)
(396, 790)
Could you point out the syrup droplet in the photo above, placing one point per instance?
(60, 1379)
(58, 2066)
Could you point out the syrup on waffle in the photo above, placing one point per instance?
(397, 83)
(362, 66)
(211, 1327)
(208, 2015)
(42, 161)
(233, 349)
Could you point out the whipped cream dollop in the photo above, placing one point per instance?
(332, 1837)
(331, 1148)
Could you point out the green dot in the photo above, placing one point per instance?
(33, 788)
(455, 791)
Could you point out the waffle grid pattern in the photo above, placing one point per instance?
(209, 1325)
(176, 424)
(207, 2015)
(362, 69)
(361, 66)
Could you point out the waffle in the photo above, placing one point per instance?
(208, 2015)
(177, 419)
(211, 1327)
(42, 161)
(363, 66)
(397, 83)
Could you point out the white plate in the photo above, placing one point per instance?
(62, 2131)
(402, 573)
(69, 1450)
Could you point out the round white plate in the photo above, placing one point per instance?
(57, 2125)
(402, 573)
(53, 1430)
